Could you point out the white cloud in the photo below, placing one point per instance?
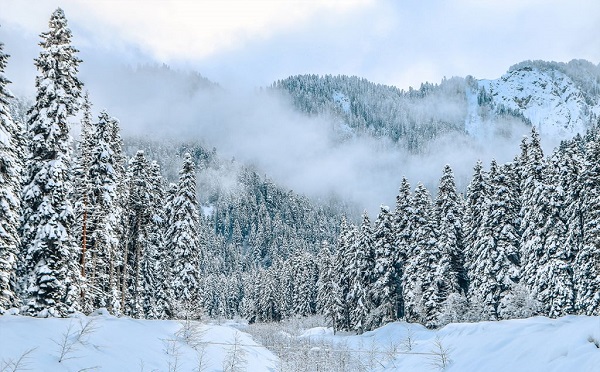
(180, 29)
(394, 42)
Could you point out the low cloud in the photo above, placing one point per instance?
(300, 152)
(260, 128)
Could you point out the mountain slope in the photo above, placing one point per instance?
(544, 94)
(560, 99)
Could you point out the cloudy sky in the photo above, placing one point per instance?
(258, 41)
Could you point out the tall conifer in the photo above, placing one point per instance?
(10, 190)
(50, 251)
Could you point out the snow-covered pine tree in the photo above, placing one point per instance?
(102, 159)
(327, 288)
(586, 264)
(568, 178)
(138, 213)
(535, 205)
(183, 236)
(362, 277)
(421, 263)
(496, 266)
(504, 211)
(553, 283)
(158, 299)
(449, 212)
(475, 205)
(402, 231)
(10, 193)
(286, 288)
(268, 300)
(164, 295)
(342, 269)
(81, 194)
(449, 276)
(305, 278)
(571, 171)
(386, 288)
(49, 249)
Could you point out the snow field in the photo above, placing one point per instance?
(108, 343)
(528, 345)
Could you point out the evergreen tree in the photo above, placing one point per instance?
(553, 283)
(421, 263)
(448, 210)
(587, 265)
(139, 217)
(10, 190)
(475, 205)
(49, 249)
(362, 278)
(571, 180)
(305, 279)
(287, 290)
(448, 275)
(183, 236)
(568, 176)
(159, 276)
(535, 211)
(81, 194)
(386, 288)
(327, 289)
(496, 266)
(268, 303)
(102, 211)
(342, 267)
(403, 235)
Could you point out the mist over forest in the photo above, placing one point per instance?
(260, 126)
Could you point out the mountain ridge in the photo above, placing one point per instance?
(561, 99)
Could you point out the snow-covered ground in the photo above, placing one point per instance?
(108, 343)
(536, 344)
(123, 344)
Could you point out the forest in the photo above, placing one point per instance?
(94, 223)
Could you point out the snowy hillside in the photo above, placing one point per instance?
(561, 99)
(549, 99)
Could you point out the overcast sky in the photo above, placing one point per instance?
(255, 42)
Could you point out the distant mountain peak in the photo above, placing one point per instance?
(547, 97)
(560, 99)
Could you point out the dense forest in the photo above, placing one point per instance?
(99, 223)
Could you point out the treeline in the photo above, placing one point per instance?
(88, 231)
(523, 241)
